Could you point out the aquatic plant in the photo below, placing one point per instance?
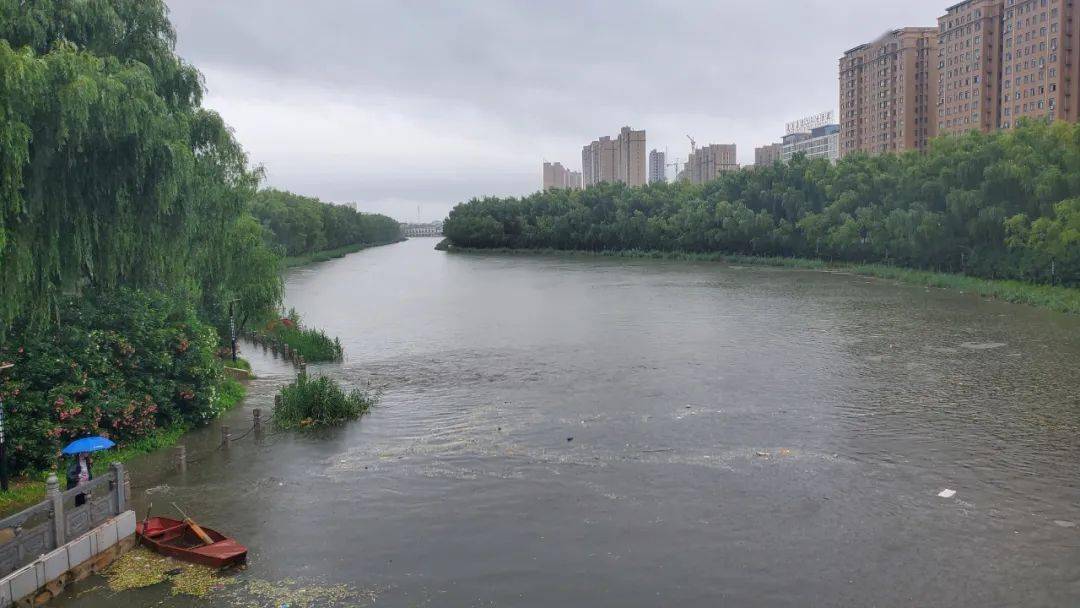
(318, 402)
(140, 568)
(312, 344)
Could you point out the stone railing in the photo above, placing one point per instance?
(27, 535)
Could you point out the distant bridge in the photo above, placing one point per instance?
(413, 230)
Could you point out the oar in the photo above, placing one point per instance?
(203, 536)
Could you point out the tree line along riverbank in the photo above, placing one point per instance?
(997, 207)
(1052, 297)
(133, 235)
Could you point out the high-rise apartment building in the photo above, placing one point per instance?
(889, 92)
(619, 160)
(765, 156)
(1040, 61)
(630, 157)
(657, 167)
(598, 162)
(709, 162)
(556, 177)
(969, 66)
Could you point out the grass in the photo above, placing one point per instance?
(1056, 298)
(319, 402)
(240, 363)
(331, 254)
(30, 490)
(21, 494)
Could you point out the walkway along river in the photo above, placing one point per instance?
(594, 432)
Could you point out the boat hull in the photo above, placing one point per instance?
(174, 538)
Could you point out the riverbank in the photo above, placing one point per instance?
(30, 489)
(332, 254)
(1058, 299)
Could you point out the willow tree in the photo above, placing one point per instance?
(111, 172)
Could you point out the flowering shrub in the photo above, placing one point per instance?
(120, 365)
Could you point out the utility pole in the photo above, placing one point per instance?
(3, 440)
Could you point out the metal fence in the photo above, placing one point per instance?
(49, 524)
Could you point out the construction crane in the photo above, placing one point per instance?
(693, 144)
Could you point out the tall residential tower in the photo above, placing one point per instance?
(1040, 61)
(707, 163)
(557, 177)
(969, 64)
(657, 167)
(765, 156)
(618, 160)
(889, 92)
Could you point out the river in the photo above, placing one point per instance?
(606, 432)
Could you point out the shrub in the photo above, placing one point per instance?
(121, 364)
(319, 402)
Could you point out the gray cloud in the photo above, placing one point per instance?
(398, 103)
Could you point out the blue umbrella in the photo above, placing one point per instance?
(88, 444)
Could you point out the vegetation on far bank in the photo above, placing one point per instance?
(1052, 297)
(330, 254)
(993, 206)
(319, 402)
(305, 228)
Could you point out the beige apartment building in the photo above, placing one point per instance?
(969, 66)
(622, 159)
(708, 163)
(557, 177)
(889, 93)
(765, 156)
(1040, 61)
(598, 162)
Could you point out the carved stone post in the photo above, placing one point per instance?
(180, 456)
(121, 481)
(52, 489)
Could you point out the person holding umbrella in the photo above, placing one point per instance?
(81, 470)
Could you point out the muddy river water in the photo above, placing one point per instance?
(595, 432)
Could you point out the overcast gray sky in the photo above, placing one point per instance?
(400, 104)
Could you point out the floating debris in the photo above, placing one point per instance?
(947, 493)
(140, 568)
(198, 581)
(1065, 524)
(295, 594)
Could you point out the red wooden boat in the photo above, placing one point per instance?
(176, 539)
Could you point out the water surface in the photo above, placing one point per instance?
(593, 432)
